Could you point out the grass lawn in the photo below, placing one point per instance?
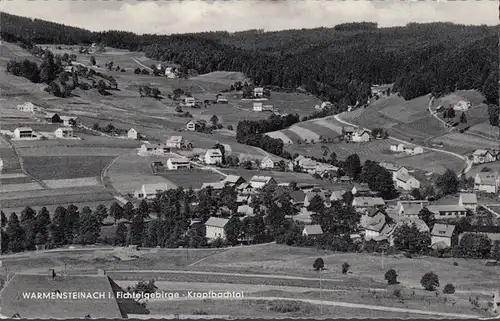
(55, 167)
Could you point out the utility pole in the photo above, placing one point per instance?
(320, 293)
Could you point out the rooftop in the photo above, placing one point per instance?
(216, 221)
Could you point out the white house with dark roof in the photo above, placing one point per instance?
(189, 101)
(468, 200)
(312, 230)
(373, 225)
(132, 133)
(443, 233)
(214, 228)
(64, 132)
(481, 156)
(23, 132)
(178, 163)
(406, 181)
(259, 182)
(213, 156)
(149, 191)
(337, 195)
(266, 163)
(487, 182)
(233, 180)
(448, 211)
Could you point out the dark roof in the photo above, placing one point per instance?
(13, 301)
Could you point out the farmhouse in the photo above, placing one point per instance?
(445, 234)
(367, 202)
(69, 68)
(258, 92)
(175, 142)
(462, 105)
(100, 304)
(170, 72)
(360, 136)
(414, 150)
(259, 182)
(421, 226)
(23, 132)
(267, 108)
(406, 181)
(373, 225)
(70, 121)
(214, 228)
(221, 99)
(154, 149)
(233, 180)
(481, 156)
(213, 157)
(410, 209)
(337, 195)
(448, 211)
(347, 132)
(191, 126)
(312, 230)
(189, 101)
(132, 133)
(308, 166)
(487, 182)
(64, 132)
(178, 163)
(468, 200)
(27, 107)
(267, 163)
(398, 148)
(149, 191)
(257, 106)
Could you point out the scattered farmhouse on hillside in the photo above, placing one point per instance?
(410, 209)
(153, 149)
(347, 132)
(406, 181)
(401, 148)
(132, 133)
(189, 101)
(468, 200)
(259, 182)
(213, 157)
(149, 191)
(214, 228)
(70, 121)
(257, 106)
(481, 156)
(221, 99)
(487, 182)
(191, 125)
(27, 107)
(23, 132)
(64, 132)
(101, 300)
(360, 136)
(176, 142)
(462, 105)
(266, 163)
(178, 163)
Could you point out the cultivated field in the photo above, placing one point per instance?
(65, 167)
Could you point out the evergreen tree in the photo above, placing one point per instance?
(89, 227)
(136, 230)
(116, 211)
(15, 234)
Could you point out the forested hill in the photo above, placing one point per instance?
(338, 63)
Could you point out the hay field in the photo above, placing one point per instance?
(65, 167)
(73, 182)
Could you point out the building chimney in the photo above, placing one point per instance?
(101, 272)
(52, 273)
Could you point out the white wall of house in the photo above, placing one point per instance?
(369, 234)
(214, 232)
(437, 239)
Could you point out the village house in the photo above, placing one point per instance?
(259, 182)
(178, 163)
(154, 149)
(189, 101)
(243, 199)
(266, 163)
(312, 230)
(410, 209)
(70, 121)
(409, 221)
(64, 132)
(221, 99)
(468, 200)
(406, 181)
(103, 305)
(258, 92)
(487, 182)
(191, 125)
(398, 148)
(213, 157)
(445, 234)
(481, 156)
(244, 189)
(347, 132)
(447, 211)
(233, 180)
(176, 142)
(360, 136)
(361, 203)
(214, 228)
(336, 196)
(27, 107)
(462, 105)
(170, 72)
(308, 166)
(149, 191)
(132, 133)
(311, 194)
(372, 224)
(361, 189)
(257, 106)
(414, 150)
(345, 179)
(23, 132)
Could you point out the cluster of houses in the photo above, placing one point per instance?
(162, 149)
(192, 101)
(402, 148)
(481, 156)
(355, 135)
(323, 105)
(27, 132)
(487, 182)
(401, 176)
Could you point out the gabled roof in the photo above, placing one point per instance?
(233, 179)
(13, 301)
(360, 132)
(403, 177)
(446, 208)
(362, 188)
(468, 198)
(390, 166)
(313, 229)
(216, 221)
(190, 121)
(348, 129)
(260, 179)
(480, 152)
(375, 223)
(215, 152)
(443, 230)
(24, 129)
(368, 201)
(487, 178)
(174, 139)
(411, 208)
(216, 185)
(310, 195)
(337, 195)
(245, 209)
(154, 188)
(266, 159)
(132, 130)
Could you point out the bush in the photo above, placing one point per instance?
(285, 306)
(230, 127)
(345, 268)
(455, 264)
(449, 289)
(391, 276)
(430, 281)
(319, 264)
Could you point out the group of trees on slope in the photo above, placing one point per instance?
(338, 64)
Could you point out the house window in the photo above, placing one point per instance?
(141, 195)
